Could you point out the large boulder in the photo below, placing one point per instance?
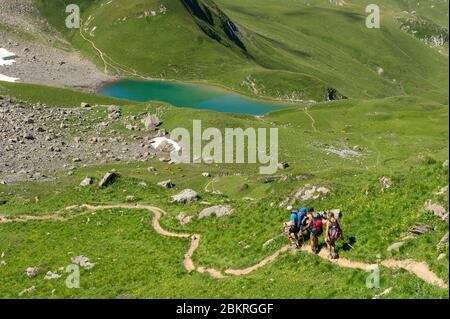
(151, 122)
(86, 182)
(108, 179)
(187, 196)
(166, 184)
(219, 211)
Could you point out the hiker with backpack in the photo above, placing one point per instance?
(302, 219)
(333, 233)
(292, 227)
(315, 226)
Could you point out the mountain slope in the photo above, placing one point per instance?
(284, 49)
(333, 43)
(215, 23)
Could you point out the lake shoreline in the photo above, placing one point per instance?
(197, 95)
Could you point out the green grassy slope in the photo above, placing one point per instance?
(396, 121)
(292, 49)
(403, 138)
(333, 43)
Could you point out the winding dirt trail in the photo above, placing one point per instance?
(313, 121)
(419, 269)
(104, 57)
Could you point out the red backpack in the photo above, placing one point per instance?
(317, 224)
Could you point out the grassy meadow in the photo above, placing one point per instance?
(404, 138)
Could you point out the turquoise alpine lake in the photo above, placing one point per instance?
(196, 96)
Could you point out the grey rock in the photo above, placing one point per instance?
(283, 165)
(51, 275)
(131, 198)
(184, 219)
(107, 179)
(187, 196)
(32, 272)
(27, 291)
(219, 211)
(420, 229)
(151, 122)
(437, 209)
(115, 115)
(386, 182)
(166, 184)
(396, 246)
(444, 241)
(83, 262)
(86, 182)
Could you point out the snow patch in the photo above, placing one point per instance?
(5, 78)
(7, 58)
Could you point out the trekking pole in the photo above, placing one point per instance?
(348, 244)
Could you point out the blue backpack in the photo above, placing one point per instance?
(301, 219)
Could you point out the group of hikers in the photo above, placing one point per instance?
(307, 222)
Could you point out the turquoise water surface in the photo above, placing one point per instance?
(194, 96)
